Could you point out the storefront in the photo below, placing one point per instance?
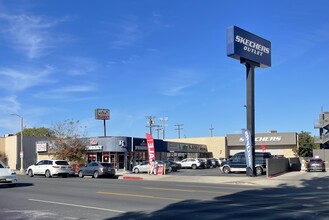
(126, 152)
(179, 151)
(108, 149)
(139, 151)
(278, 144)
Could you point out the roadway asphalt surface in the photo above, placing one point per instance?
(297, 195)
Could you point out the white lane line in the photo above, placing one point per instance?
(80, 206)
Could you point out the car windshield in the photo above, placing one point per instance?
(61, 162)
(316, 160)
(106, 164)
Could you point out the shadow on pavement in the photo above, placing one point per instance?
(310, 201)
(16, 186)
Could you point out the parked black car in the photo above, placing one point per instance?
(316, 164)
(174, 166)
(214, 162)
(96, 169)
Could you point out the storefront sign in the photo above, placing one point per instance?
(97, 147)
(102, 114)
(242, 44)
(269, 139)
(93, 142)
(42, 147)
(141, 148)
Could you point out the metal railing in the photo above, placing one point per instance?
(322, 123)
(323, 139)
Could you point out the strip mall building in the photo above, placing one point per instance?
(125, 152)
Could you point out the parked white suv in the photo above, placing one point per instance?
(49, 168)
(190, 163)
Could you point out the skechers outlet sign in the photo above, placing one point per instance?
(242, 44)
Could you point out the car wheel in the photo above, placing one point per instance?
(65, 175)
(226, 170)
(80, 174)
(193, 166)
(30, 173)
(136, 170)
(323, 170)
(48, 174)
(96, 174)
(259, 171)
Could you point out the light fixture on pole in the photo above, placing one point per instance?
(21, 154)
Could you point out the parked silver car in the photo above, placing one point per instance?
(144, 167)
(316, 164)
(97, 169)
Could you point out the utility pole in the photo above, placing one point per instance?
(150, 121)
(158, 129)
(179, 127)
(211, 129)
(163, 120)
(21, 154)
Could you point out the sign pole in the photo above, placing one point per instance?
(250, 74)
(104, 128)
(252, 51)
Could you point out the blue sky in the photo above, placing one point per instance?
(64, 59)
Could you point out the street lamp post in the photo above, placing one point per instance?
(21, 154)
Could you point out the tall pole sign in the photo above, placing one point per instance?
(252, 51)
(102, 114)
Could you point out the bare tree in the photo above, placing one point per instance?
(68, 141)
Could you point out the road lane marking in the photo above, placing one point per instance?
(186, 190)
(80, 206)
(138, 195)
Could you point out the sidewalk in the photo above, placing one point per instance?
(291, 178)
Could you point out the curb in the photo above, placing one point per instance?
(130, 178)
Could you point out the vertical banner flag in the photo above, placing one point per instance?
(248, 152)
(150, 147)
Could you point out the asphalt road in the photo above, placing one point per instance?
(88, 198)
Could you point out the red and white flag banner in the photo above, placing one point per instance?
(150, 147)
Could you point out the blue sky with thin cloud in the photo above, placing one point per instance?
(64, 59)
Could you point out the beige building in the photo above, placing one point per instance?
(216, 145)
(278, 144)
(10, 148)
(9, 151)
